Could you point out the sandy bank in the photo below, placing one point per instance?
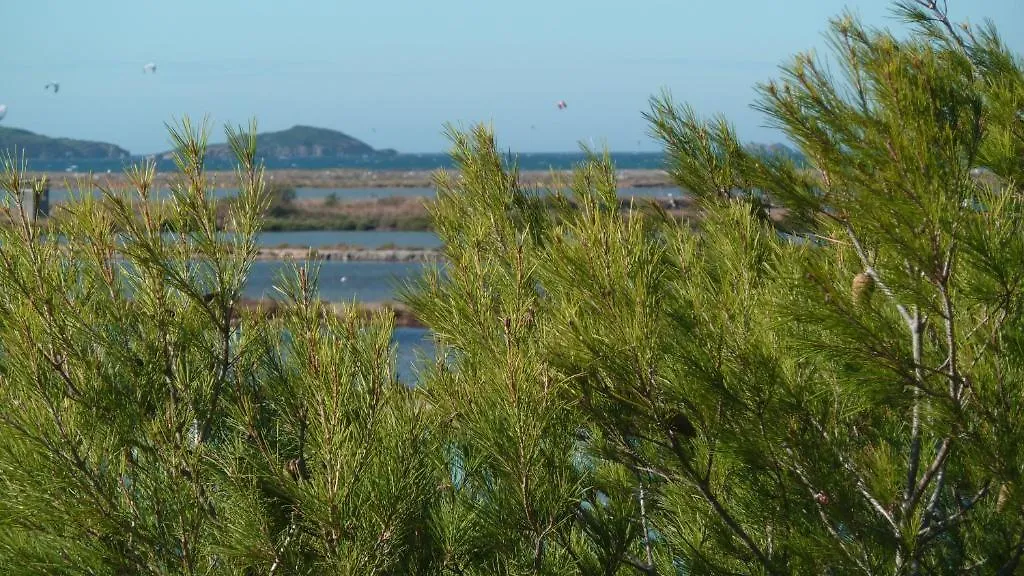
(270, 308)
(350, 254)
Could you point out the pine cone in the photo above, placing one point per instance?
(863, 287)
(297, 469)
(1004, 495)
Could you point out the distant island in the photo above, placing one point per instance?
(297, 142)
(776, 149)
(301, 142)
(32, 146)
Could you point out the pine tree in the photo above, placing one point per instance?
(822, 378)
(150, 427)
(820, 375)
(526, 494)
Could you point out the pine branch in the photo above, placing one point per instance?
(941, 15)
(862, 486)
(937, 467)
(952, 361)
(643, 526)
(704, 487)
(1010, 567)
(280, 550)
(226, 330)
(640, 566)
(914, 458)
(866, 263)
(814, 493)
(929, 533)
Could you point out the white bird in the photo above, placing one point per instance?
(149, 68)
(3, 111)
(55, 86)
(344, 279)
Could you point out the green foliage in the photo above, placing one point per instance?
(282, 200)
(824, 376)
(149, 427)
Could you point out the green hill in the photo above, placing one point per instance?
(38, 147)
(303, 142)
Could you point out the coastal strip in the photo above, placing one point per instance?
(270, 308)
(347, 178)
(348, 254)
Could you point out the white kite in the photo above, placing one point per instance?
(149, 68)
(3, 111)
(55, 86)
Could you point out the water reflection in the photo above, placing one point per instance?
(357, 238)
(338, 281)
(414, 345)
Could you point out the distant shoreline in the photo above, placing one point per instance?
(269, 307)
(347, 254)
(346, 178)
(389, 213)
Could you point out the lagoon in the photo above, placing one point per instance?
(337, 281)
(366, 282)
(355, 238)
(413, 345)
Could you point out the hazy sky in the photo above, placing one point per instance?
(393, 72)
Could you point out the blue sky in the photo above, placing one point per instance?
(393, 72)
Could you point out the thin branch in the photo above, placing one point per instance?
(937, 466)
(646, 568)
(227, 309)
(914, 458)
(1010, 567)
(941, 15)
(933, 502)
(866, 263)
(862, 486)
(802, 475)
(292, 528)
(937, 528)
(955, 382)
(643, 525)
(723, 514)
(984, 320)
